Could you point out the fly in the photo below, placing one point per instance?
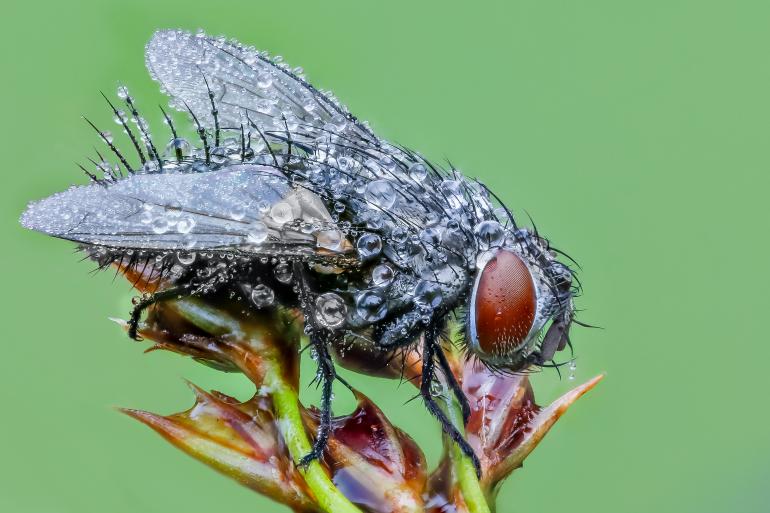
(289, 200)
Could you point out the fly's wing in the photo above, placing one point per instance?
(246, 87)
(242, 208)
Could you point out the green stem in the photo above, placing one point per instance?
(284, 397)
(464, 470)
(286, 404)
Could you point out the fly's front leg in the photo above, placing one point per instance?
(145, 302)
(327, 375)
(457, 389)
(430, 349)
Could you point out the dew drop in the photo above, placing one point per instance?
(369, 246)
(399, 234)
(330, 310)
(180, 145)
(380, 193)
(237, 213)
(160, 225)
(329, 239)
(371, 306)
(382, 275)
(427, 295)
(185, 226)
(418, 172)
(283, 272)
(264, 79)
(185, 258)
(257, 233)
(262, 296)
(489, 234)
(281, 212)
(122, 92)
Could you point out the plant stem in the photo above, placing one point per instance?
(465, 472)
(286, 405)
(283, 394)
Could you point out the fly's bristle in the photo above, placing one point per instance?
(177, 151)
(122, 121)
(111, 146)
(214, 112)
(151, 149)
(201, 133)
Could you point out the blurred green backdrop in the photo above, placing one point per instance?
(635, 133)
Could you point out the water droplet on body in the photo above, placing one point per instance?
(262, 296)
(369, 246)
(380, 193)
(330, 310)
(371, 306)
(382, 275)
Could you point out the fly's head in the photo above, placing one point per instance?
(518, 289)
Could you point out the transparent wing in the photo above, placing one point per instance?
(246, 208)
(246, 85)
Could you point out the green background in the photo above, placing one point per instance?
(635, 133)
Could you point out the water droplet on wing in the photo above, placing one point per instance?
(281, 212)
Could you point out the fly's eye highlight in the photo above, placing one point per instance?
(503, 305)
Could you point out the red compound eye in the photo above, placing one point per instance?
(504, 304)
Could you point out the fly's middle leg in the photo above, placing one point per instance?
(457, 389)
(431, 348)
(327, 374)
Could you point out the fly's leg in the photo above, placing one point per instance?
(327, 375)
(457, 389)
(430, 349)
(410, 323)
(147, 301)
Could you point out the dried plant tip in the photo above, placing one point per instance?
(241, 440)
(534, 431)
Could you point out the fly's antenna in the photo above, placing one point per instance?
(214, 111)
(586, 325)
(170, 123)
(201, 133)
(112, 147)
(120, 117)
(140, 122)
